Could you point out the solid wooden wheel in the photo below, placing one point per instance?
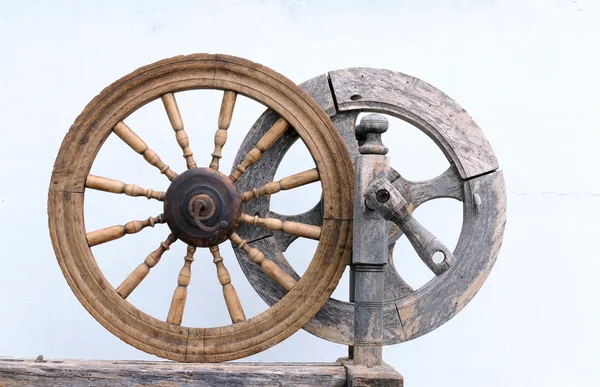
(473, 178)
(201, 208)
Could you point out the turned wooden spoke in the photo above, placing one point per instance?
(177, 124)
(115, 232)
(138, 145)
(266, 142)
(179, 296)
(314, 217)
(295, 228)
(140, 272)
(269, 267)
(115, 186)
(231, 298)
(294, 181)
(225, 115)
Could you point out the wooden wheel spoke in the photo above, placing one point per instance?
(225, 115)
(234, 306)
(314, 217)
(294, 228)
(175, 315)
(447, 185)
(138, 145)
(269, 267)
(115, 186)
(115, 232)
(177, 124)
(266, 142)
(140, 272)
(290, 182)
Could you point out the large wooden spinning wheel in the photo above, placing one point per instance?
(202, 208)
(472, 178)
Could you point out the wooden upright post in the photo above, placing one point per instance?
(370, 245)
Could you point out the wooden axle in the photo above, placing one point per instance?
(270, 268)
(295, 228)
(115, 186)
(115, 232)
(294, 181)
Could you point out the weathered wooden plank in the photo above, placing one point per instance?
(421, 104)
(95, 373)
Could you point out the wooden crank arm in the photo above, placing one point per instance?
(383, 197)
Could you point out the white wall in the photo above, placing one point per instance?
(527, 71)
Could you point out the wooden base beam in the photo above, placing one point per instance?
(94, 373)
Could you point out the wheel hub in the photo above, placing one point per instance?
(202, 207)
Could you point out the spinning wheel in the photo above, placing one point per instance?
(472, 178)
(203, 207)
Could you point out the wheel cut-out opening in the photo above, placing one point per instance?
(355, 97)
(443, 218)
(299, 254)
(412, 153)
(300, 199)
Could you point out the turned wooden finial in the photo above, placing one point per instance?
(368, 133)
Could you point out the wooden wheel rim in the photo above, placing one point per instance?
(66, 196)
(343, 94)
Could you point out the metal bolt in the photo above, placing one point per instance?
(223, 225)
(382, 196)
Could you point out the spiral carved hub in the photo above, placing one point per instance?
(202, 207)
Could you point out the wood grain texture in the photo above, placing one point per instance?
(369, 255)
(368, 376)
(88, 134)
(422, 105)
(463, 144)
(97, 373)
